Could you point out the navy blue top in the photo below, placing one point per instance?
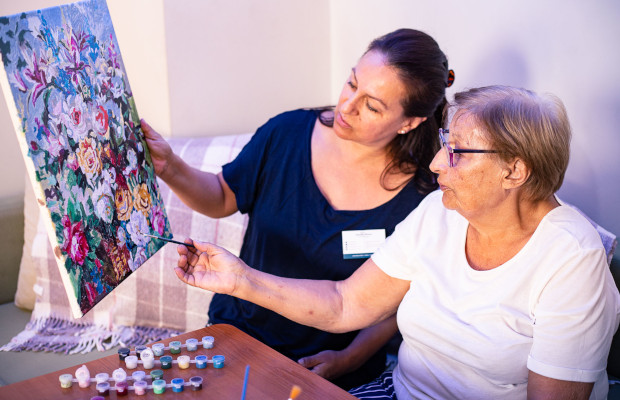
(294, 232)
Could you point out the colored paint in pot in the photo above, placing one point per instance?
(158, 349)
(159, 386)
(166, 362)
(218, 361)
(97, 398)
(183, 362)
(196, 382)
(121, 389)
(131, 362)
(139, 388)
(123, 352)
(102, 377)
(177, 385)
(157, 374)
(138, 376)
(103, 388)
(207, 342)
(140, 349)
(66, 381)
(191, 344)
(175, 347)
(201, 361)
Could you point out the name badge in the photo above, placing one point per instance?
(361, 243)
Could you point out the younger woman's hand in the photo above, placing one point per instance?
(161, 152)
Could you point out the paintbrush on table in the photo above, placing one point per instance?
(169, 240)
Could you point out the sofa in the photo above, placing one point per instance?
(150, 305)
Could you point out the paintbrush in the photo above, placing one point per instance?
(295, 391)
(245, 382)
(169, 240)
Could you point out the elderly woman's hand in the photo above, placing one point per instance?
(209, 267)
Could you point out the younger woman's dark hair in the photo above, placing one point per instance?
(423, 68)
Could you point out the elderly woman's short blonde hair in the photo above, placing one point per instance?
(519, 123)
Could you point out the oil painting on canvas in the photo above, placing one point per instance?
(77, 124)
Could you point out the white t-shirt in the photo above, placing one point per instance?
(467, 334)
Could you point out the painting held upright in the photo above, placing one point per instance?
(78, 128)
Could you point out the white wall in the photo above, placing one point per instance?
(568, 48)
(140, 33)
(234, 64)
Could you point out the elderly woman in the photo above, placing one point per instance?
(501, 292)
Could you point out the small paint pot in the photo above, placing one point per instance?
(158, 349)
(157, 374)
(102, 377)
(82, 375)
(175, 347)
(177, 385)
(131, 362)
(196, 382)
(166, 362)
(191, 344)
(103, 388)
(97, 398)
(148, 359)
(159, 386)
(207, 342)
(139, 388)
(119, 375)
(201, 361)
(66, 381)
(140, 349)
(183, 362)
(138, 376)
(218, 361)
(123, 352)
(121, 389)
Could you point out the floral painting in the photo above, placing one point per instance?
(78, 127)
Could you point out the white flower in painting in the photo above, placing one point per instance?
(55, 106)
(118, 86)
(103, 201)
(121, 237)
(76, 118)
(109, 177)
(137, 226)
(132, 159)
(82, 197)
(138, 259)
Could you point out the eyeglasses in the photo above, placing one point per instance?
(450, 152)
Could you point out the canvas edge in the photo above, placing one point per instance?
(21, 138)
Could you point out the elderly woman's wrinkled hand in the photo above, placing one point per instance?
(209, 267)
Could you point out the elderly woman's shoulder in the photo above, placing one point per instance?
(575, 224)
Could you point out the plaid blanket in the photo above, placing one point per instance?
(151, 304)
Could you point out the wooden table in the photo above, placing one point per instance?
(271, 376)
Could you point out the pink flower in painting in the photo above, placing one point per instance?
(91, 292)
(35, 74)
(158, 220)
(72, 161)
(99, 120)
(75, 243)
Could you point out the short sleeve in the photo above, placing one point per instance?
(575, 319)
(243, 174)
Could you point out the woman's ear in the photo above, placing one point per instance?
(516, 174)
(411, 124)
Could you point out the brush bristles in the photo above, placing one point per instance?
(295, 391)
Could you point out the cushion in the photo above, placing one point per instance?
(150, 304)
